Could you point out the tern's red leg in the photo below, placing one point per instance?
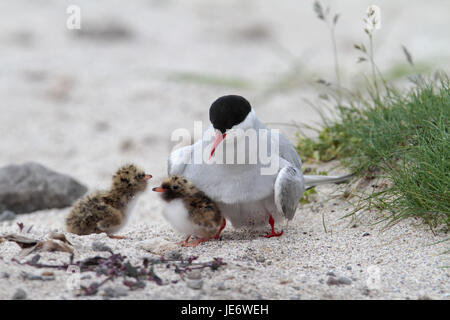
(222, 226)
(184, 241)
(111, 236)
(273, 233)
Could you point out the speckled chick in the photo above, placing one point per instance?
(106, 211)
(190, 211)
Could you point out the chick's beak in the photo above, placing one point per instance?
(159, 189)
(218, 139)
(147, 177)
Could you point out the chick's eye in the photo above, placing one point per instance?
(175, 187)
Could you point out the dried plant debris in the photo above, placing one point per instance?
(30, 245)
(134, 276)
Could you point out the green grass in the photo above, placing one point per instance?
(401, 137)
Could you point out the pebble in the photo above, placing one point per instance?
(195, 284)
(115, 292)
(349, 267)
(101, 246)
(7, 216)
(344, 280)
(194, 275)
(20, 294)
(331, 274)
(365, 234)
(221, 286)
(4, 275)
(333, 281)
(260, 259)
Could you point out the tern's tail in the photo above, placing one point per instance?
(315, 180)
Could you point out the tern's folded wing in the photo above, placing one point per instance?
(178, 160)
(289, 187)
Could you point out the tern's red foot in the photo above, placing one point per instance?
(115, 237)
(222, 226)
(195, 242)
(181, 243)
(273, 233)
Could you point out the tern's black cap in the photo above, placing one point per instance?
(228, 111)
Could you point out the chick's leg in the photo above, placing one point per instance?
(195, 242)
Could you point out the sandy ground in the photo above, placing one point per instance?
(84, 106)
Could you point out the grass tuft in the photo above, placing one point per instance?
(400, 137)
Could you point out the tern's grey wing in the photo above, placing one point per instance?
(178, 159)
(287, 151)
(289, 187)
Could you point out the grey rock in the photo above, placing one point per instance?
(30, 187)
(7, 216)
(4, 275)
(195, 284)
(331, 274)
(100, 246)
(365, 234)
(20, 294)
(348, 267)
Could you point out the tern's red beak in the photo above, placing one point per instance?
(159, 189)
(218, 139)
(147, 177)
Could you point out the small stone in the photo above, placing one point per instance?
(115, 292)
(101, 246)
(332, 281)
(365, 234)
(20, 294)
(35, 258)
(4, 275)
(7, 216)
(344, 280)
(194, 275)
(331, 274)
(220, 286)
(348, 267)
(260, 259)
(195, 284)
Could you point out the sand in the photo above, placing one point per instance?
(84, 106)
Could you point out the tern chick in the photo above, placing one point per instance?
(190, 211)
(106, 211)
